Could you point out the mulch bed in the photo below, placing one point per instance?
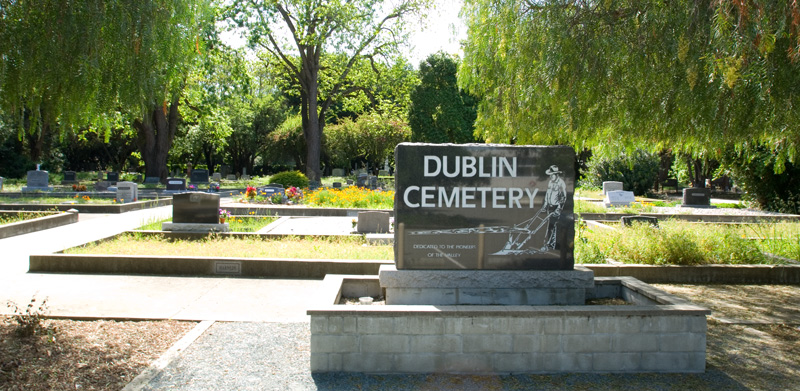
(83, 355)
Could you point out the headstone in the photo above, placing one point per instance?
(373, 222)
(619, 198)
(696, 197)
(244, 170)
(245, 177)
(362, 179)
(271, 190)
(112, 177)
(70, 178)
(383, 173)
(152, 180)
(314, 185)
(101, 185)
(231, 177)
(37, 181)
(225, 170)
(373, 182)
(611, 186)
(217, 177)
(127, 192)
(176, 184)
(195, 208)
(484, 207)
(337, 172)
(337, 185)
(349, 181)
(627, 221)
(199, 176)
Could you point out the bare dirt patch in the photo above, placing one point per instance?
(769, 304)
(84, 355)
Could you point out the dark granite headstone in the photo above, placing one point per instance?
(628, 221)
(112, 177)
(70, 177)
(272, 189)
(195, 208)
(337, 185)
(176, 184)
(38, 178)
(696, 196)
(482, 206)
(101, 185)
(225, 170)
(199, 176)
(362, 179)
(373, 182)
(152, 180)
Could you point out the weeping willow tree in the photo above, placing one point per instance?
(67, 64)
(698, 76)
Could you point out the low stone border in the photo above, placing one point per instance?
(38, 224)
(89, 208)
(703, 274)
(704, 218)
(201, 266)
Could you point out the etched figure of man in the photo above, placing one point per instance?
(554, 201)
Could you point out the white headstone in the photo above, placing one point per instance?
(127, 192)
(611, 186)
(619, 198)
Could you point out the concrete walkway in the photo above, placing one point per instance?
(140, 297)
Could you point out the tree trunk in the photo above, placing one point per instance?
(312, 127)
(155, 134)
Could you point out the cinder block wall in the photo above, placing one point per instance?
(560, 339)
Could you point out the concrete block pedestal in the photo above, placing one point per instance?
(487, 287)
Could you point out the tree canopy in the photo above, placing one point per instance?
(298, 32)
(440, 111)
(693, 75)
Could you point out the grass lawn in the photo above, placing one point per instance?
(236, 223)
(350, 247)
(682, 243)
(78, 199)
(11, 217)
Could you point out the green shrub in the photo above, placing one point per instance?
(290, 178)
(637, 171)
(769, 183)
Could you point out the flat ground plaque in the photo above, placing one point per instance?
(480, 206)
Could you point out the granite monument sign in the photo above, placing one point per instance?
(481, 206)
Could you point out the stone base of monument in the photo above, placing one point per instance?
(488, 287)
(654, 332)
(195, 227)
(31, 189)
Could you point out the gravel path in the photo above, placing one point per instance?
(275, 356)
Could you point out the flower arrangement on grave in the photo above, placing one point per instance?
(192, 187)
(294, 194)
(213, 186)
(223, 214)
(79, 187)
(250, 192)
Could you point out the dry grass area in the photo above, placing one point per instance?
(753, 331)
(248, 247)
(82, 355)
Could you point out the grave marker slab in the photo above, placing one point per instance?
(195, 208)
(1, 183)
(102, 185)
(217, 177)
(231, 177)
(628, 221)
(480, 206)
(362, 180)
(611, 186)
(176, 184)
(70, 178)
(38, 180)
(619, 198)
(199, 176)
(696, 197)
(152, 180)
(337, 172)
(373, 222)
(337, 185)
(127, 192)
(112, 177)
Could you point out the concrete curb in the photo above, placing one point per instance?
(144, 378)
(695, 217)
(89, 208)
(703, 274)
(201, 266)
(38, 224)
